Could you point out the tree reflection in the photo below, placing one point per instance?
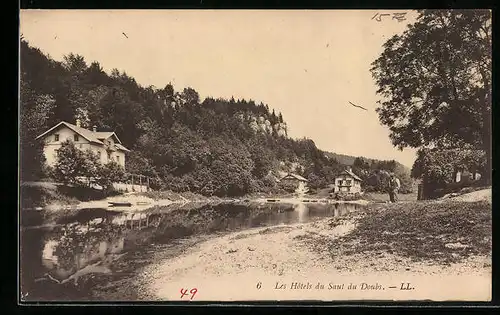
(75, 246)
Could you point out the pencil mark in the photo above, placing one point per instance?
(399, 16)
(327, 45)
(358, 106)
(124, 34)
(378, 16)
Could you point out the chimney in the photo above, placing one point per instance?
(94, 128)
(78, 122)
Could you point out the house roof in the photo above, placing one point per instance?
(350, 173)
(298, 177)
(105, 135)
(91, 136)
(121, 147)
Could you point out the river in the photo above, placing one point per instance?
(66, 260)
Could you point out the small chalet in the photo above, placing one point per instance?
(106, 145)
(293, 179)
(347, 182)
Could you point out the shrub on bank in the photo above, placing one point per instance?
(75, 167)
(346, 196)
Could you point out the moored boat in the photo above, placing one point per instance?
(119, 204)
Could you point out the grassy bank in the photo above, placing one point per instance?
(384, 197)
(177, 197)
(42, 194)
(194, 197)
(445, 232)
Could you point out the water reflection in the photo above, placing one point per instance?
(78, 244)
(91, 240)
(303, 212)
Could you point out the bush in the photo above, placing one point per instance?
(288, 187)
(346, 196)
(108, 174)
(73, 165)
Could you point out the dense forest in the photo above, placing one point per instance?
(212, 146)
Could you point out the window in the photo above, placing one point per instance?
(99, 154)
(117, 158)
(76, 138)
(56, 137)
(349, 182)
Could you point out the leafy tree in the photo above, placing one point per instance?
(92, 167)
(108, 174)
(94, 75)
(34, 115)
(361, 163)
(71, 164)
(77, 167)
(435, 80)
(263, 161)
(75, 64)
(316, 182)
(438, 167)
(288, 187)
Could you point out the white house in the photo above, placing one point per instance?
(106, 145)
(296, 180)
(347, 182)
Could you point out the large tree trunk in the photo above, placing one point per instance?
(486, 128)
(487, 150)
(487, 145)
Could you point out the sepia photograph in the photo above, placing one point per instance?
(255, 155)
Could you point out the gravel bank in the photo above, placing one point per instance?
(304, 251)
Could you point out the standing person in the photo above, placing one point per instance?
(394, 186)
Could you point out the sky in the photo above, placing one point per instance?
(306, 64)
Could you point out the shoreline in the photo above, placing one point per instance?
(139, 202)
(354, 245)
(52, 200)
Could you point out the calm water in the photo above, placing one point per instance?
(56, 253)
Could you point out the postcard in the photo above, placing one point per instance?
(255, 155)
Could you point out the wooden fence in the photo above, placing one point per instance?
(134, 183)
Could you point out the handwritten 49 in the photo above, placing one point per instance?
(184, 292)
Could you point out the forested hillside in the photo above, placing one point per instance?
(349, 160)
(211, 146)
